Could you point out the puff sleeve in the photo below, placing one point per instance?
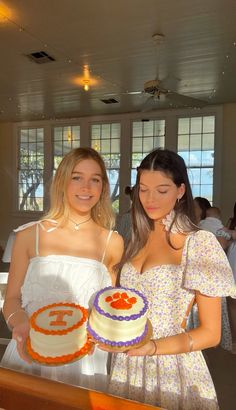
(206, 266)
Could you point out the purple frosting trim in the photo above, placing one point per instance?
(115, 317)
(119, 344)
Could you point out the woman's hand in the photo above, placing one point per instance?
(19, 334)
(148, 349)
(101, 346)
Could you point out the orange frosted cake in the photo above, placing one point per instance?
(58, 333)
(119, 317)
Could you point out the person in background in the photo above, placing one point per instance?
(214, 224)
(231, 224)
(231, 254)
(200, 205)
(123, 222)
(174, 264)
(65, 257)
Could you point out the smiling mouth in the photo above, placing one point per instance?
(83, 197)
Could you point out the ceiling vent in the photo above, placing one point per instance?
(40, 57)
(110, 101)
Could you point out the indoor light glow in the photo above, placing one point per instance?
(5, 13)
(86, 85)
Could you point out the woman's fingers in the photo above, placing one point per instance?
(20, 338)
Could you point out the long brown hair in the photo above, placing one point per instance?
(102, 212)
(173, 166)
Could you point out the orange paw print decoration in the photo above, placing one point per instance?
(120, 300)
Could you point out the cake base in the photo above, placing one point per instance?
(60, 360)
(122, 349)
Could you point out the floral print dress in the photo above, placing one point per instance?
(178, 381)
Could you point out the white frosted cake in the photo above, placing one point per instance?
(58, 333)
(119, 317)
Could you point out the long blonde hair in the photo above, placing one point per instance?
(102, 212)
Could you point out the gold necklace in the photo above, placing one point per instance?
(77, 224)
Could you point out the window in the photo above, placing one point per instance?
(64, 139)
(146, 135)
(30, 169)
(32, 160)
(196, 140)
(105, 138)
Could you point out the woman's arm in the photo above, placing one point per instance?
(206, 335)
(15, 316)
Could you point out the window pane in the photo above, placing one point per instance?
(31, 190)
(148, 129)
(146, 136)
(208, 141)
(196, 125)
(58, 133)
(183, 143)
(159, 127)
(115, 145)
(194, 176)
(31, 166)
(137, 145)
(200, 154)
(32, 135)
(185, 156)
(105, 138)
(105, 146)
(147, 145)
(195, 158)
(115, 131)
(195, 142)
(137, 129)
(206, 192)
(183, 126)
(64, 140)
(208, 158)
(209, 124)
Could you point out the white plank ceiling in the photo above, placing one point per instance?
(110, 43)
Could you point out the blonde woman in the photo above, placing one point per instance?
(67, 256)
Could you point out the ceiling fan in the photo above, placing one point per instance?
(157, 92)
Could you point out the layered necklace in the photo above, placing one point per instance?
(77, 224)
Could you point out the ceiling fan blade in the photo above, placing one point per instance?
(148, 105)
(185, 100)
(170, 82)
(123, 93)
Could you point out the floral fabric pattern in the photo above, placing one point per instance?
(178, 381)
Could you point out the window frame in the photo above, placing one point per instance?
(126, 120)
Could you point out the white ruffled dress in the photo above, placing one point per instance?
(61, 278)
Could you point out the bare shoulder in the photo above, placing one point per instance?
(116, 246)
(25, 234)
(117, 238)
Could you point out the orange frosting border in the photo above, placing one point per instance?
(62, 331)
(58, 359)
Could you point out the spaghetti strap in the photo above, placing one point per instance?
(29, 224)
(37, 224)
(107, 242)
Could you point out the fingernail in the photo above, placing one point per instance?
(19, 338)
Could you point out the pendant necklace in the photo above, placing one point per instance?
(77, 224)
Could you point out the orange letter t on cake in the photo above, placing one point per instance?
(59, 317)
